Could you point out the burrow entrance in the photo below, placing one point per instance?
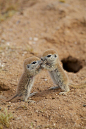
(71, 64)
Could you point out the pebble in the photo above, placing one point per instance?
(2, 65)
(8, 43)
(45, 79)
(35, 39)
(54, 124)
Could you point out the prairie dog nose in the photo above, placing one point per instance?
(42, 58)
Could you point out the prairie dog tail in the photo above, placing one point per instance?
(12, 98)
(82, 85)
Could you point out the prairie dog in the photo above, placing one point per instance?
(51, 62)
(31, 68)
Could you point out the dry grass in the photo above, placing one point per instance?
(63, 1)
(5, 118)
(9, 7)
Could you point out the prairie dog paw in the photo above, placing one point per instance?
(54, 88)
(63, 93)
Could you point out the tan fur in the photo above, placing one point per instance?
(48, 52)
(26, 81)
(82, 85)
(51, 62)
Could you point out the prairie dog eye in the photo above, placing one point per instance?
(55, 55)
(27, 66)
(34, 62)
(49, 56)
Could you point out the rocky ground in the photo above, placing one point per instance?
(42, 25)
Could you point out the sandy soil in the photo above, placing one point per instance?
(43, 25)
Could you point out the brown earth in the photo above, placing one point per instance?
(39, 26)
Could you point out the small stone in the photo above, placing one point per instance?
(37, 111)
(54, 124)
(35, 39)
(45, 79)
(8, 43)
(3, 65)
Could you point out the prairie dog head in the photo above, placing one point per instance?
(49, 59)
(32, 66)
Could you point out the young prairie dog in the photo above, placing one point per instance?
(31, 68)
(51, 62)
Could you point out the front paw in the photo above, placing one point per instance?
(63, 93)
